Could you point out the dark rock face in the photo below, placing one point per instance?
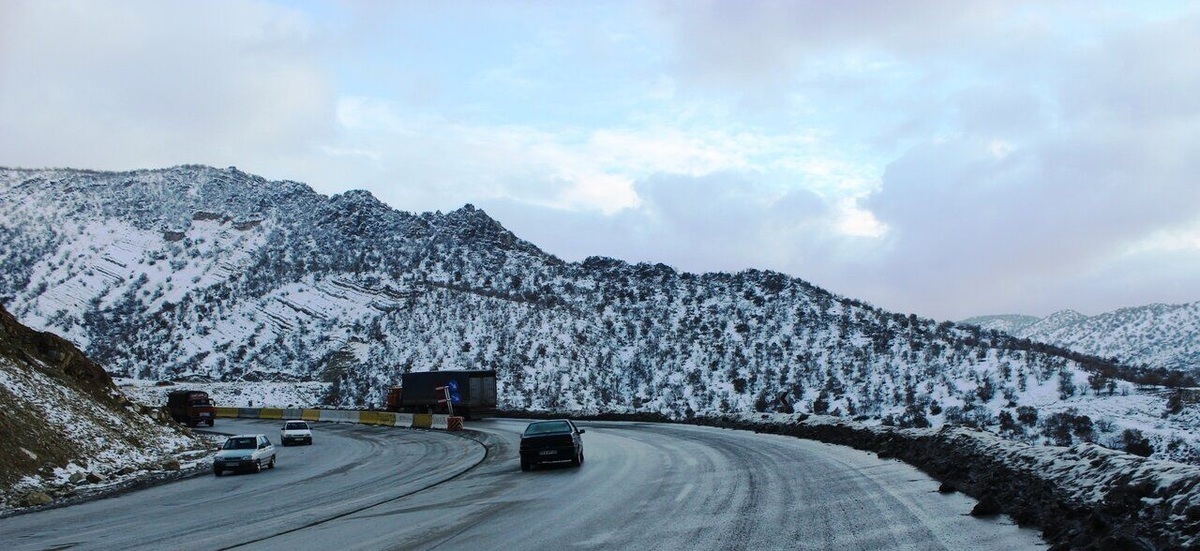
(29, 446)
(55, 356)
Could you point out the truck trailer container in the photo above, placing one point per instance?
(472, 393)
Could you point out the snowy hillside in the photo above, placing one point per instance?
(207, 275)
(68, 430)
(1165, 336)
(1012, 324)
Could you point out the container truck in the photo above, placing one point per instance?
(472, 393)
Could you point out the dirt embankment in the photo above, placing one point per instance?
(65, 426)
(30, 442)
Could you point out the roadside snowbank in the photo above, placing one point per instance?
(80, 447)
(1082, 497)
(232, 394)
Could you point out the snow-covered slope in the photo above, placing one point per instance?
(1012, 324)
(1159, 336)
(68, 430)
(202, 274)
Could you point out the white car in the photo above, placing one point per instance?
(295, 432)
(245, 452)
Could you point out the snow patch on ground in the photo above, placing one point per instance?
(1081, 496)
(112, 449)
(232, 394)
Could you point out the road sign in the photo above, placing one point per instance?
(450, 398)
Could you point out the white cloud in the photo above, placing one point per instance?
(947, 158)
(573, 169)
(721, 221)
(1183, 239)
(856, 221)
(137, 84)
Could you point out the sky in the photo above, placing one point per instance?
(945, 158)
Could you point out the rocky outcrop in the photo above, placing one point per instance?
(65, 427)
(55, 357)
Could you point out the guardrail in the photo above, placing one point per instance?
(382, 418)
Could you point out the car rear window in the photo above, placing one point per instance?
(240, 444)
(544, 428)
(296, 426)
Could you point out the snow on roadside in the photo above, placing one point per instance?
(231, 394)
(1172, 436)
(1080, 496)
(110, 448)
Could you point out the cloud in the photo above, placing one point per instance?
(445, 162)
(144, 84)
(944, 158)
(766, 45)
(1032, 196)
(722, 221)
(1022, 148)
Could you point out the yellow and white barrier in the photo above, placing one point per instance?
(404, 420)
(381, 418)
(339, 416)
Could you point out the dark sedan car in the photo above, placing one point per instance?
(551, 442)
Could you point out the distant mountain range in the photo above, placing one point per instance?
(205, 274)
(1157, 336)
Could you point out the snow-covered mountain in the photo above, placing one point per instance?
(1165, 336)
(1012, 324)
(203, 274)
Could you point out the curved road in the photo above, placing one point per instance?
(645, 486)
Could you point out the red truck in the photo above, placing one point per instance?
(191, 407)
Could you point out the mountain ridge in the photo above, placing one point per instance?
(1164, 336)
(196, 273)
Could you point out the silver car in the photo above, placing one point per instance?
(244, 452)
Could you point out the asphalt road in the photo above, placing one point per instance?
(643, 486)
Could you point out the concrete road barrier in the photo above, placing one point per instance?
(339, 416)
(381, 418)
(422, 421)
(439, 421)
(384, 418)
